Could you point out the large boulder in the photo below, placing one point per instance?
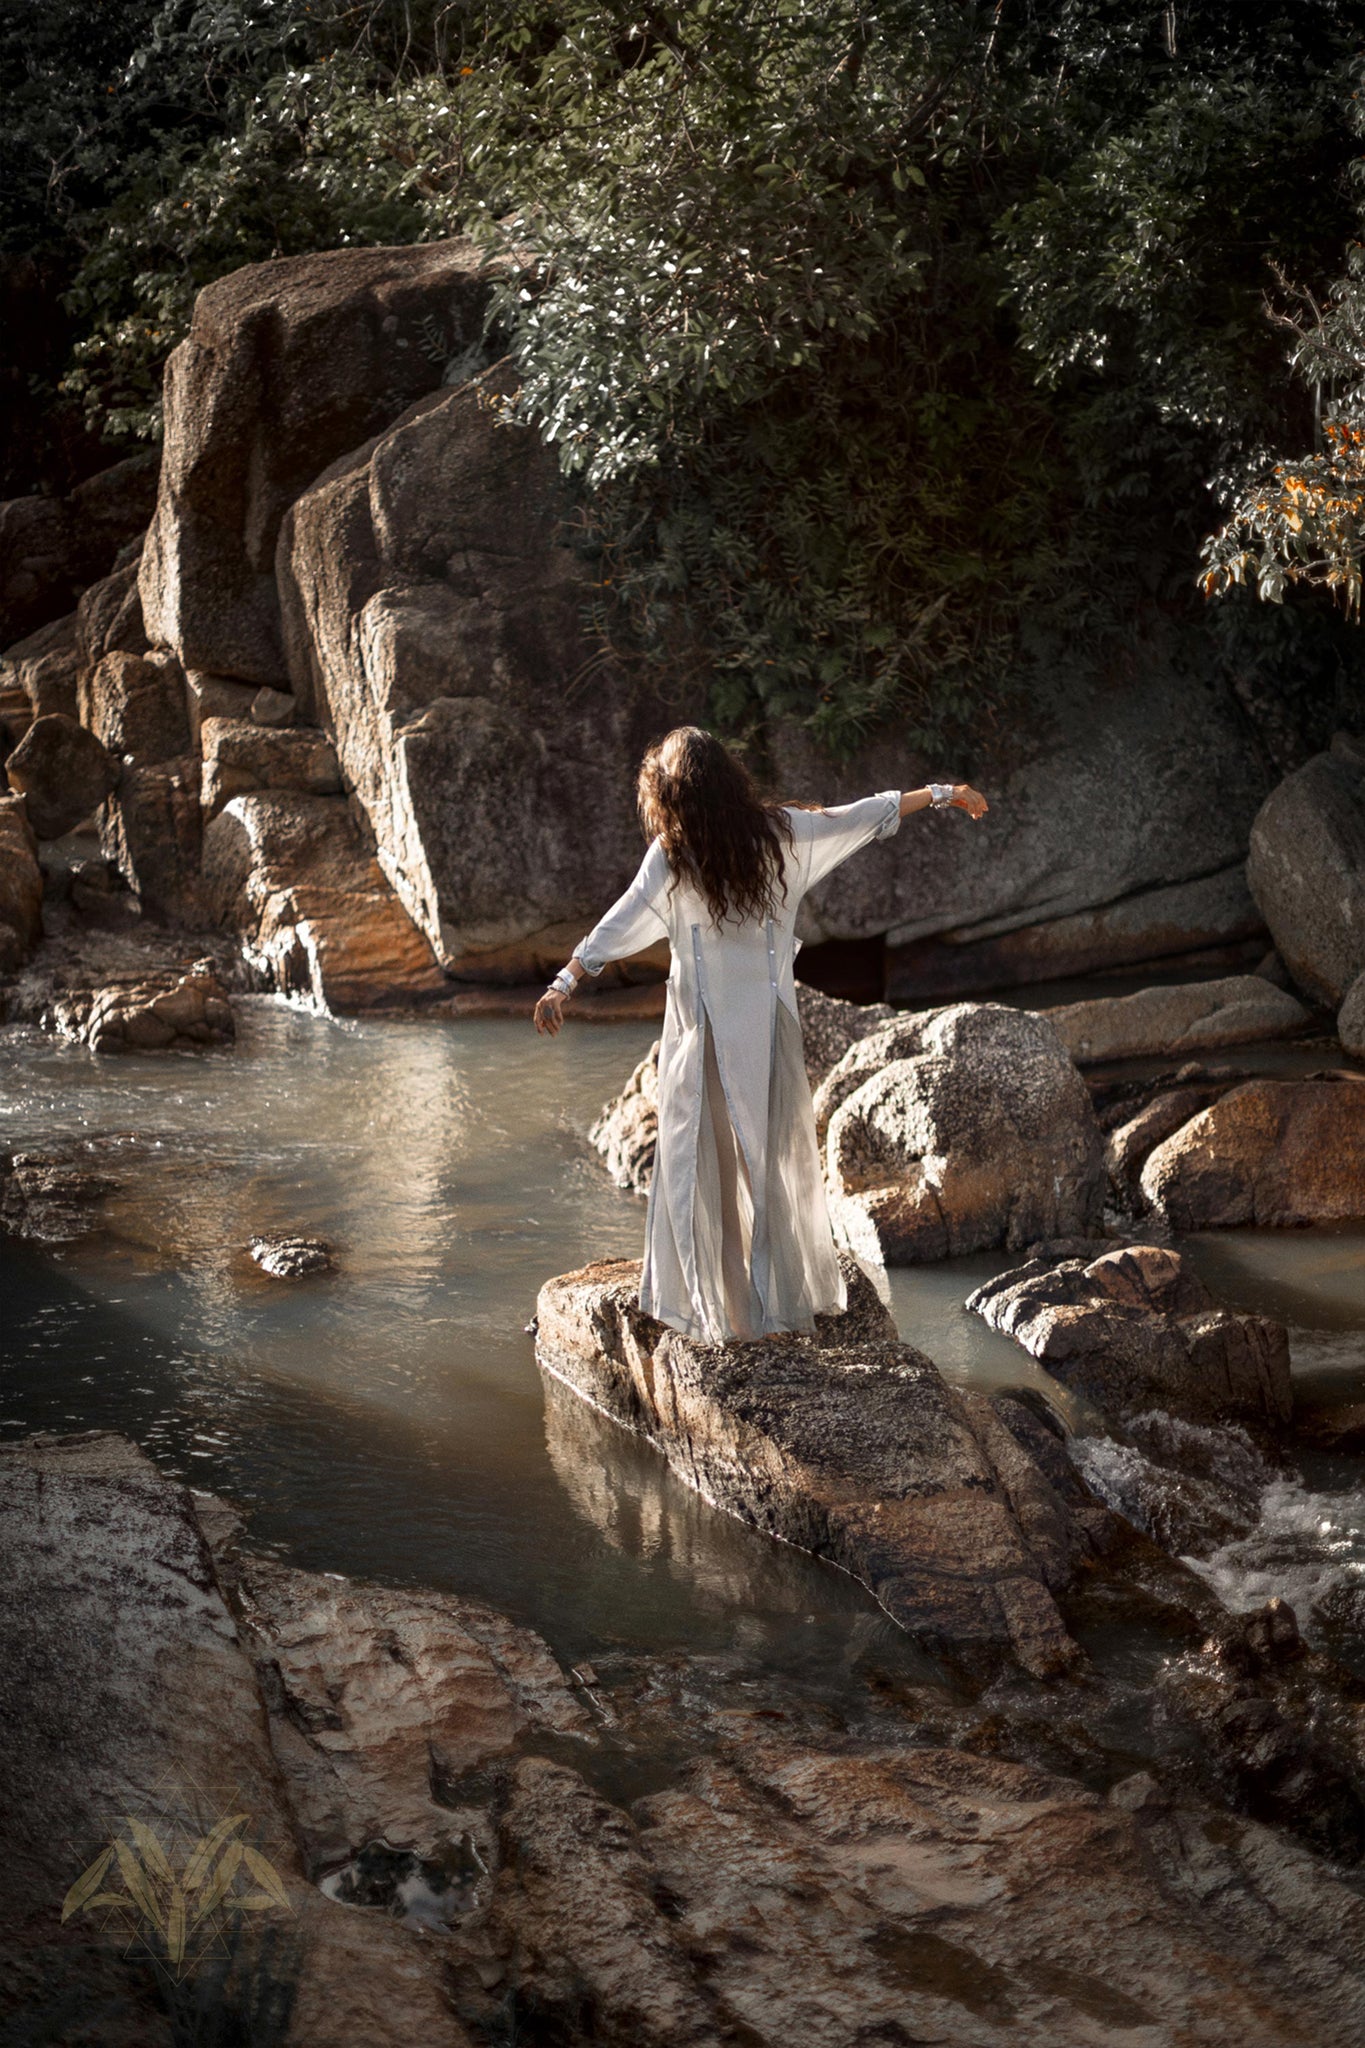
(1120, 808)
(1135, 1329)
(241, 757)
(51, 548)
(848, 1444)
(434, 619)
(1307, 869)
(135, 703)
(1275, 1153)
(46, 666)
(287, 365)
(21, 886)
(63, 773)
(956, 1131)
(293, 877)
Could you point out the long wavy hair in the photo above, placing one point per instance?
(718, 833)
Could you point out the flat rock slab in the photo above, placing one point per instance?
(1135, 1329)
(1193, 1017)
(849, 1445)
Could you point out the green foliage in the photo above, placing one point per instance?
(887, 347)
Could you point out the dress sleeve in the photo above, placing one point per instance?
(828, 837)
(634, 921)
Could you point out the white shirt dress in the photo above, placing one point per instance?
(738, 1242)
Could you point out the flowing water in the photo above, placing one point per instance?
(388, 1420)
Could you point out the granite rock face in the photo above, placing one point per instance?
(287, 366)
(1351, 1019)
(1135, 1329)
(1307, 869)
(958, 1130)
(1154, 774)
(21, 885)
(434, 620)
(849, 1445)
(316, 917)
(241, 757)
(1274, 1153)
(1195, 1017)
(63, 773)
(109, 617)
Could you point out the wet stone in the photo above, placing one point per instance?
(292, 1258)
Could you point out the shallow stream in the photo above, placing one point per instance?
(388, 1420)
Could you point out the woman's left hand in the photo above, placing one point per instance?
(549, 1013)
(970, 800)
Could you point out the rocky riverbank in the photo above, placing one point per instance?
(436, 1796)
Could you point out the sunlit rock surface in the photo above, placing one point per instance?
(850, 1445)
(292, 876)
(958, 1130)
(287, 366)
(1269, 1152)
(1193, 1017)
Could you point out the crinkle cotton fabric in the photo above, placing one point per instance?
(737, 1236)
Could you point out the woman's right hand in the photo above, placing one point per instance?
(549, 1013)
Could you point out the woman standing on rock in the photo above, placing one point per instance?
(738, 1240)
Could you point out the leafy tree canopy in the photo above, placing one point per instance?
(891, 348)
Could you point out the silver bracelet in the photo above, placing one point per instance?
(564, 983)
(941, 795)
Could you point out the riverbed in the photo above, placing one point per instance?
(388, 1420)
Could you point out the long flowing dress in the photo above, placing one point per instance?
(737, 1235)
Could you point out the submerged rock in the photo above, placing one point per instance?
(51, 1196)
(292, 876)
(1193, 1017)
(292, 1258)
(62, 772)
(958, 1130)
(1282, 1728)
(850, 1445)
(1307, 869)
(823, 1888)
(1135, 1329)
(1275, 1153)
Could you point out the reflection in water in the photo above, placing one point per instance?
(388, 1419)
